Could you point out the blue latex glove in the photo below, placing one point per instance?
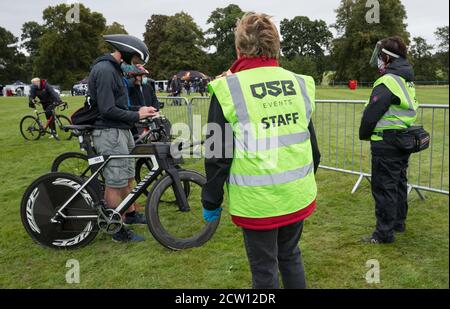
(211, 215)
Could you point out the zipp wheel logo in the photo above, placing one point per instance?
(74, 240)
(75, 186)
(30, 206)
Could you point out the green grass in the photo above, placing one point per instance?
(333, 254)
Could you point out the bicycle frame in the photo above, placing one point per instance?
(49, 121)
(132, 196)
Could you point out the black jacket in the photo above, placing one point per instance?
(47, 95)
(382, 98)
(143, 95)
(108, 89)
(175, 86)
(218, 169)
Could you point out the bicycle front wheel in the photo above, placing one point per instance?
(29, 128)
(171, 227)
(39, 206)
(61, 121)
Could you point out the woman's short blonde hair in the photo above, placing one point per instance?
(256, 35)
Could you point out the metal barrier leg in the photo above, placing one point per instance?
(355, 187)
(419, 193)
(410, 187)
(422, 197)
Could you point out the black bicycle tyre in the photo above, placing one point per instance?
(58, 126)
(153, 221)
(22, 129)
(28, 211)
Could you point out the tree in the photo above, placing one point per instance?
(154, 36)
(181, 48)
(12, 62)
(425, 65)
(442, 36)
(304, 43)
(31, 33)
(67, 49)
(306, 65)
(343, 12)
(221, 37)
(302, 36)
(442, 55)
(115, 28)
(353, 48)
(420, 48)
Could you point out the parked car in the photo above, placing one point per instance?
(79, 89)
(17, 89)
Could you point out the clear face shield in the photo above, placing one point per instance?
(374, 61)
(376, 55)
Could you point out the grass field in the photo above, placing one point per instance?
(333, 254)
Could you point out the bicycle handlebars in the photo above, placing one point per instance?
(62, 105)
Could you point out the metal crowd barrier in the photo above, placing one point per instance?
(337, 128)
(336, 123)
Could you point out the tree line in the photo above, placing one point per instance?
(63, 52)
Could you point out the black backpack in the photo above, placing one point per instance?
(86, 115)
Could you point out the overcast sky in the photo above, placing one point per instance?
(423, 16)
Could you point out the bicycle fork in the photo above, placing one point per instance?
(178, 189)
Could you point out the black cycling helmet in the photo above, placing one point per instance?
(128, 46)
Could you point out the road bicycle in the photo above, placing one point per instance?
(61, 210)
(32, 127)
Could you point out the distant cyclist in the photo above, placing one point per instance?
(48, 97)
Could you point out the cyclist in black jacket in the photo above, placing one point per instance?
(47, 96)
(108, 89)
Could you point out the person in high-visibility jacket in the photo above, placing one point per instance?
(392, 106)
(266, 152)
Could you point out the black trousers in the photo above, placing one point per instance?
(48, 108)
(389, 189)
(273, 250)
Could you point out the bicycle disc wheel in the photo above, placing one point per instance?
(74, 163)
(47, 194)
(172, 228)
(143, 167)
(29, 128)
(60, 122)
